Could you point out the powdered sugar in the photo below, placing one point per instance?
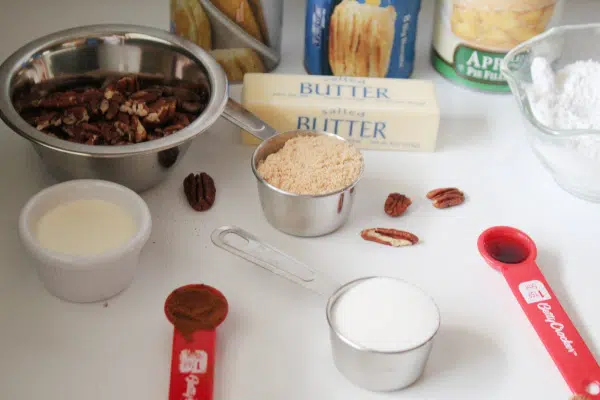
(588, 146)
(568, 99)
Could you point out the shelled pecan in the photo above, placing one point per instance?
(389, 237)
(340, 206)
(200, 191)
(168, 158)
(396, 204)
(446, 197)
(115, 110)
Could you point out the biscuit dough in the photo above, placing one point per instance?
(237, 62)
(240, 12)
(191, 22)
(361, 37)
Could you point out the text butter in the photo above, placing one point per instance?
(371, 113)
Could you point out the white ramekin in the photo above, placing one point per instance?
(84, 279)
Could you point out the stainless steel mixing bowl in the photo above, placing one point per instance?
(110, 49)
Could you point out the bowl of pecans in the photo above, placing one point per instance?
(114, 102)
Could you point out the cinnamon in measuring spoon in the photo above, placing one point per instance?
(196, 308)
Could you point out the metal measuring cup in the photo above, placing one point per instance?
(378, 371)
(295, 214)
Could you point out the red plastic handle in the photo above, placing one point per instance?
(554, 327)
(557, 332)
(193, 366)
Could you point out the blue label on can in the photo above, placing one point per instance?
(318, 14)
(336, 44)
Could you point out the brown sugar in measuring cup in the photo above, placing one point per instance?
(195, 311)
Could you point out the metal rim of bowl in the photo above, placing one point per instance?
(283, 192)
(215, 75)
(347, 286)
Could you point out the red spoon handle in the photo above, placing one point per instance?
(192, 366)
(552, 324)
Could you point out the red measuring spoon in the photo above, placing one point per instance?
(193, 357)
(513, 253)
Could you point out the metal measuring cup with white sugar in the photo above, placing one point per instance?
(381, 328)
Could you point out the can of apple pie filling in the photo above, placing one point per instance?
(471, 37)
(361, 38)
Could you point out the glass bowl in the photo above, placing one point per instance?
(571, 156)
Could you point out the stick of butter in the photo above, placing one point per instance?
(372, 113)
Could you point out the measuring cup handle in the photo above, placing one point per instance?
(268, 257)
(235, 113)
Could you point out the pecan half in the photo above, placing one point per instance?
(446, 197)
(192, 106)
(139, 130)
(127, 84)
(24, 101)
(389, 237)
(61, 100)
(124, 118)
(92, 94)
(200, 191)
(83, 133)
(92, 128)
(396, 204)
(146, 96)
(140, 109)
(109, 108)
(93, 139)
(134, 107)
(110, 91)
(167, 158)
(579, 397)
(75, 115)
(171, 129)
(124, 130)
(160, 111)
(340, 203)
(46, 119)
(181, 118)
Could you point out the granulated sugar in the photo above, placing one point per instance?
(312, 165)
(385, 314)
(567, 99)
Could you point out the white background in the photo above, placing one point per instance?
(274, 344)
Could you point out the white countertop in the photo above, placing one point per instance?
(274, 344)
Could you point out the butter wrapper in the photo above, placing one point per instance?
(371, 113)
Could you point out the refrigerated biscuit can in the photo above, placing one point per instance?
(361, 38)
(471, 37)
(242, 35)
